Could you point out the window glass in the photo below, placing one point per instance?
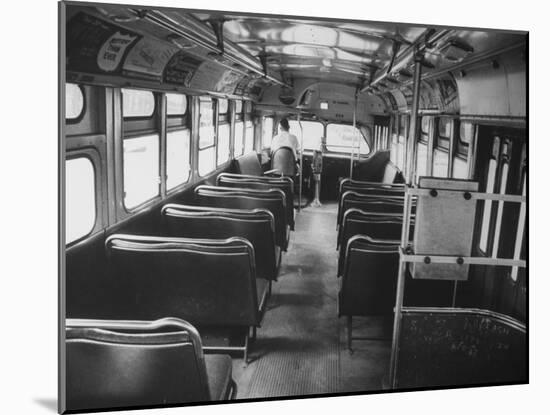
(223, 105)
(403, 119)
(445, 127)
(267, 131)
(74, 101)
(401, 153)
(312, 130)
(207, 133)
(177, 158)
(249, 137)
(207, 160)
(425, 125)
(137, 103)
(460, 168)
(141, 169)
(238, 107)
(466, 132)
(239, 132)
(176, 104)
(441, 163)
(342, 138)
(421, 160)
(80, 205)
(223, 143)
(393, 149)
(487, 205)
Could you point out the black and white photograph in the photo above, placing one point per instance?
(280, 209)
(270, 206)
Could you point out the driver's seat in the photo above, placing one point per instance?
(283, 162)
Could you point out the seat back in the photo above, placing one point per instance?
(369, 279)
(286, 184)
(257, 226)
(373, 188)
(205, 281)
(249, 164)
(369, 203)
(273, 200)
(376, 226)
(284, 162)
(113, 364)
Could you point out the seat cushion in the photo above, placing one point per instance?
(219, 370)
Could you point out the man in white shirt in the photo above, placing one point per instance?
(285, 139)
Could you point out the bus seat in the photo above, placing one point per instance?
(389, 189)
(257, 226)
(113, 364)
(369, 279)
(205, 281)
(368, 203)
(273, 200)
(357, 222)
(283, 162)
(286, 184)
(249, 164)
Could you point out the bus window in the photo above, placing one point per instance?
(440, 163)
(176, 104)
(267, 131)
(141, 169)
(421, 159)
(312, 133)
(137, 103)
(74, 101)
(460, 168)
(80, 204)
(343, 138)
(239, 139)
(177, 158)
(223, 143)
(207, 137)
(248, 136)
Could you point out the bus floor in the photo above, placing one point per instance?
(301, 346)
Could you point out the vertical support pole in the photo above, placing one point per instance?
(400, 289)
(353, 140)
(301, 161)
(413, 125)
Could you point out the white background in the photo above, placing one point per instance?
(28, 143)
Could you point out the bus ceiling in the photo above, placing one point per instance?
(291, 62)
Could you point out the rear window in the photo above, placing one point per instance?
(342, 138)
(313, 133)
(137, 103)
(80, 204)
(74, 102)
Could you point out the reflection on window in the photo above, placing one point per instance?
(137, 103)
(267, 131)
(239, 132)
(177, 158)
(401, 153)
(487, 205)
(393, 150)
(249, 137)
(312, 131)
(502, 191)
(141, 169)
(466, 132)
(223, 143)
(441, 163)
(344, 138)
(74, 101)
(421, 160)
(460, 168)
(80, 212)
(176, 104)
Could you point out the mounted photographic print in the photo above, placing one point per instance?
(266, 206)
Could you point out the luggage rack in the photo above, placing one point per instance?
(407, 255)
